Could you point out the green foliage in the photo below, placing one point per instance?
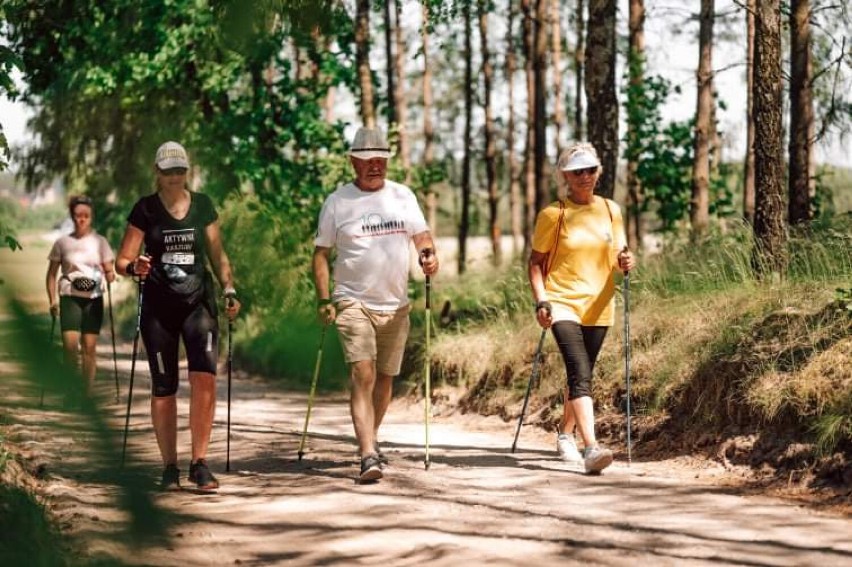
(120, 77)
(664, 153)
(24, 343)
(843, 296)
(832, 428)
(29, 538)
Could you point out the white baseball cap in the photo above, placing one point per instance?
(171, 154)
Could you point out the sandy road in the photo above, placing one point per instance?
(478, 504)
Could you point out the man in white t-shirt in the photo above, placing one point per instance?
(369, 223)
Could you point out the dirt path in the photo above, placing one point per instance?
(477, 504)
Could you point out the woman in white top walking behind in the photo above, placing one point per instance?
(84, 260)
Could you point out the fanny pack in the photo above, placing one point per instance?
(83, 284)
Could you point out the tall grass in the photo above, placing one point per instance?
(725, 259)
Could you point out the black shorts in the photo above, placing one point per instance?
(81, 314)
(164, 323)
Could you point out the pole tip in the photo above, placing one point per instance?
(427, 464)
(301, 454)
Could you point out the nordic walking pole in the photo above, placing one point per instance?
(533, 377)
(626, 295)
(229, 301)
(112, 333)
(427, 405)
(50, 344)
(132, 367)
(311, 393)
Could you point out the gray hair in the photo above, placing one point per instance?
(562, 188)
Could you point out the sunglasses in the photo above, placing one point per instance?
(172, 171)
(585, 171)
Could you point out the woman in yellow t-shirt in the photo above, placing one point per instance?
(577, 245)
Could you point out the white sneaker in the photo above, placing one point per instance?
(596, 459)
(567, 448)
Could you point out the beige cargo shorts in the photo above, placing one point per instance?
(367, 334)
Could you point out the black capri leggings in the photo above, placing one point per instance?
(163, 324)
(579, 346)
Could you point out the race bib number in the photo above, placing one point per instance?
(178, 258)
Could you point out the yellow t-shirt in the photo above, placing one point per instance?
(580, 284)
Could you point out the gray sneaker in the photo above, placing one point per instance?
(596, 459)
(566, 445)
(371, 468)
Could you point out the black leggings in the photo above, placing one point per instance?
(579, 346)
(163, 324)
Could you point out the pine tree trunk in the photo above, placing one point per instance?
(399, 95)
(391, 61)
(770, 254)
(801, 114)
(542, 187)
(636, 25)
(428, 128)
(699, 207)
(529, 150)
(514, 173)
(748, 169)
(362, 57)
(464, 224)
(579, 67)
(602, 111)
(490, 142)
(556, 49)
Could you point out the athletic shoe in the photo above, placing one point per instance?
(200, 474)
(596, 459)
(371, 468)
(171, 479)
(567, 448)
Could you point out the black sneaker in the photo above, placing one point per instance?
(200, 474)
(371, 468)
(171, 479)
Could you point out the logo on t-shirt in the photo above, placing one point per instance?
(179, 247)
(374, 224)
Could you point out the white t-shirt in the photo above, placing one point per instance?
(81, 258)
(371, 231)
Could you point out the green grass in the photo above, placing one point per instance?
(29, 536)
